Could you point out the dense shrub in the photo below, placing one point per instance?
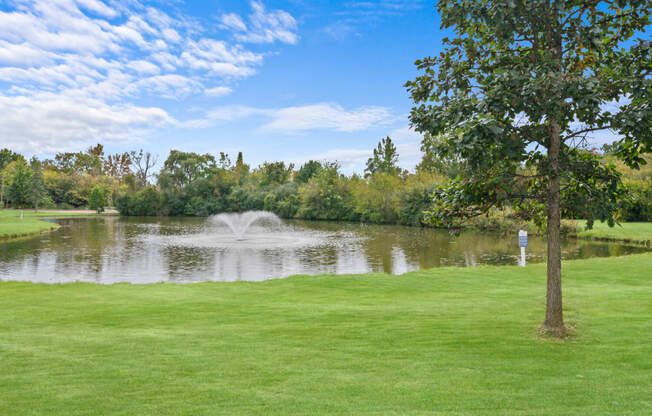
(144, 203)
(639, 208)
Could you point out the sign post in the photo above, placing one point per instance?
(522, 242)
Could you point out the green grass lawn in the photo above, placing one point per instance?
(11, 225)
(458, 341)
(631, 231)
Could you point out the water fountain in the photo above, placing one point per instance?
(240, 222)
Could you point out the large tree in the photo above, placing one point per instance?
(519, 91)
(183, 168)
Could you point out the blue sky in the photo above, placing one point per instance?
(288, 80)
(279, 80)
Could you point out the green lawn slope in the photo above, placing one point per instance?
(449, 341)
(11, 225)
(637, 232)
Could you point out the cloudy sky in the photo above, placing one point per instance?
(277, 79)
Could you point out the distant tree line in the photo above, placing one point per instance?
(89, 179)
(191, 184)
(194, 184)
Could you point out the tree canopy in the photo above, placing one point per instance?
(517, 94)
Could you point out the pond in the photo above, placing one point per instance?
(110, 250)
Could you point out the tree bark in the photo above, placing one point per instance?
(554, 322)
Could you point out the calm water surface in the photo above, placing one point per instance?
(149, 250)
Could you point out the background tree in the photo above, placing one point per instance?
(385, 159)
(516, 94)
(97, 200)
(36, 182)
(432, 162)
(224, 161)
(6, 157)
(79, 163)
(182, 168)
(275, 173)
(18, 190)
(240, 169)
(143, 163)
(118, 165)
(308, 170)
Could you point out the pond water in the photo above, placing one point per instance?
(149, 250)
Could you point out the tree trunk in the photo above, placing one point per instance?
(554, 322)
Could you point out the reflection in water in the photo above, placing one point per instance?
(146, 250)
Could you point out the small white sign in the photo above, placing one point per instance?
(522, 242)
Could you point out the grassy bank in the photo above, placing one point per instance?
(444, 341)
(11, 225)
(637, 232)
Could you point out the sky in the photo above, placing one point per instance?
(291, 80)
(288, 80)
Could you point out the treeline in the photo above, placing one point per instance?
(191, 184)
(202, 185)
(89, 179)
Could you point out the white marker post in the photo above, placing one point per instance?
(522, 242)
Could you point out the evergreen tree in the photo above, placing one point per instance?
(385, 159)
(18, 192)
(240, 169)
(36, 183)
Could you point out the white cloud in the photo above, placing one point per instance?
(408, 146)
(167, 86)
(97, 7)
(144, 67)
(72, 67)
(264, 26)
(218, 91)
(328, 117)
(354, 14)
(233, 21)
(321, 116)
(407, 143)
(48, 123)
(23, 55)
(349, 159)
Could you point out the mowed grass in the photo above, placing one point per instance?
(458, 341)
(11, 225)
(640, 232)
